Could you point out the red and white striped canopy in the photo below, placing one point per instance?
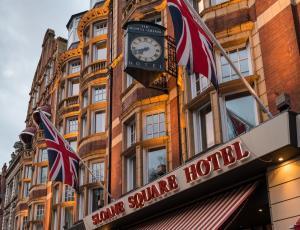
(210, 214)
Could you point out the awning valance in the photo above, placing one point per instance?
(210, 213)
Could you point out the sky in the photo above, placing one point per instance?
(23, 24)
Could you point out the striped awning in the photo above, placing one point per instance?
(46, 109)
(210, 213)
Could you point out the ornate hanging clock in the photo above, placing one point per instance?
(144, 51)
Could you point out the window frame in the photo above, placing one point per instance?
(101, 95)
(131, 172)
(145, 124)
(146, 161)
(229, 50)
(224, 115)
(101, 175)
(199, 138)
(68, 125)
(94, 121)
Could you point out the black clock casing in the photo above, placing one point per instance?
(144, 50)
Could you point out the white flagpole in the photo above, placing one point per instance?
(93, 175)
(214, 39)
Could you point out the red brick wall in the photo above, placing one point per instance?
(281, 61)
(262, 5)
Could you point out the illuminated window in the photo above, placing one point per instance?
(155, 125)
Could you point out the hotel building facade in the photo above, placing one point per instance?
(175, 154)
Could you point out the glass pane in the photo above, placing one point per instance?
(225, 71)
(210, 140)
(233, 56)
(243, 53)
(223, 60)
(156, 163)
(241, 115)
(244, 68)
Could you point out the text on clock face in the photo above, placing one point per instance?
(146, 49)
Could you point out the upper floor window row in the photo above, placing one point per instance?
(240, 57)
(100, 28)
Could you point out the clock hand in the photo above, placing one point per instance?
(141, 50)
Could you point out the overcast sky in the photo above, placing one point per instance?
(23, 24)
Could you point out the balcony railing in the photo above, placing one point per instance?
(94, 67)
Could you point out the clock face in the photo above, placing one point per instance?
(146, 49)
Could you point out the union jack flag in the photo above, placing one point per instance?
(194, 49)
(63, 161)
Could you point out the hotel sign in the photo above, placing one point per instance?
(203, 168)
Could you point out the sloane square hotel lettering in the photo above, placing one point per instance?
(200, 169)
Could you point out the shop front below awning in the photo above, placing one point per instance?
(210, 213)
